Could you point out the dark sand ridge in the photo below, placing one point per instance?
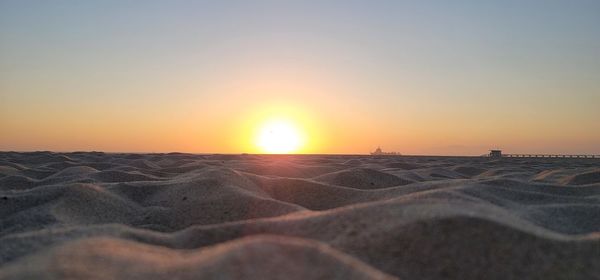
(165, 199)
(423, 218)
(247, 258)
(406, 239)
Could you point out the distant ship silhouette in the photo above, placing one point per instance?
(379, 152)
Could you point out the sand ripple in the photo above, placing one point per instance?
(163, 216)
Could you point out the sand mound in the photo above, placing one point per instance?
(248, 258)
(183, 168)
(362, 178)
(143, 164)
(318, 196)
(16, 182)
(403, 165)
(287, 169)
(74, 171)
(551, 176)
(120, 176)
(8, 170)
(586, 178)
(468, 170)
(567, 218)
(127, 216)
(12, 165)
(91, 204)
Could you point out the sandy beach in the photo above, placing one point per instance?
(183, 216)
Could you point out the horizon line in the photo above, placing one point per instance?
(531, 155)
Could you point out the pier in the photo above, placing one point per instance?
(548, 156)
(499, 154)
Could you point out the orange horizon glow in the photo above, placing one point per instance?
(237, 129)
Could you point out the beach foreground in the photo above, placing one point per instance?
(182, 216)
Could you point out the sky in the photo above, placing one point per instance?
(416, 77)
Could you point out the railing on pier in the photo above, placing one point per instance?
(548, 156)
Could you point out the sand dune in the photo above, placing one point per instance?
(247, 258)
(133, 216)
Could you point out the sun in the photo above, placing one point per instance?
(279, 137)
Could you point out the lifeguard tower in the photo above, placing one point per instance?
(495, 153)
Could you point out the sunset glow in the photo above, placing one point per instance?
(279, 137)
(417, 77)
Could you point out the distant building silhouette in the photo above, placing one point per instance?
(379, 152)
(495, 153)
